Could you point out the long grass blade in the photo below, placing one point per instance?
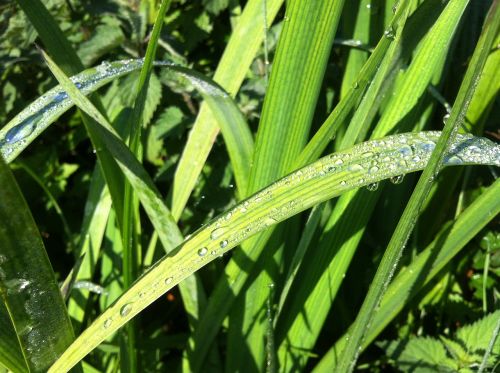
(283, 132)
(241, 49)
(294, 193)
(27, 283)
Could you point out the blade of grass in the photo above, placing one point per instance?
(295, 193)
(241, 50)
(11, 356)
(131, 219)
(27, 283)
(447, 244)
(18, 133)
(410, 214)
(300, 63)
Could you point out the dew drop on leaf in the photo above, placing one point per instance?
(107, 323)
(125, 310)
(217, 232)
(203, 251)
(397, 179)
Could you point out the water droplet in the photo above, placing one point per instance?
(169, 280)
(339, 161)
(125, 310)
(368, 6)
(203, 251)
(343, 182)
(389, 33)
(107, 323)
(446, 117)
(355, 167)
(355, 85)
(217, 232)
(213, 252)
(397, 179)
(372, 187)
(373, 169)
(223, 244)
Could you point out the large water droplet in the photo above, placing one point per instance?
(217, 232)
(389, 33)
(397, 179)
(125, 310)
(107, 323)
(203, 251)
(446, 117)
(372, 187)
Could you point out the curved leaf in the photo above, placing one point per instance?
(330, 176)
(27, 283)
(16, 135)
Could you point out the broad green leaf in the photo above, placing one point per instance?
(476, 337)
(422, 355)
(322, 180)
(27, 283)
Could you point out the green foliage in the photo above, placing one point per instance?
(463, 353)
(284, 83)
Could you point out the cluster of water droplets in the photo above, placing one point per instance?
(33, 120)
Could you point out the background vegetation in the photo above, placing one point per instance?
(310, 78)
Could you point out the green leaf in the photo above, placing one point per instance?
(27, 283)
(17, 134)
(476, 338)
(104, 39)
(421, 355)
(296, 192)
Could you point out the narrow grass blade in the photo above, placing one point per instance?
(27, 283)
(427, 63)
(410, 214)
(283, 131)
(131, 218)
(11, 356)
(16, 135)
(447, 244)
(242, 47)
(294, 193)
(96, 214)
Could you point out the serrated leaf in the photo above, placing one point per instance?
(421, 355)
(476, 337)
